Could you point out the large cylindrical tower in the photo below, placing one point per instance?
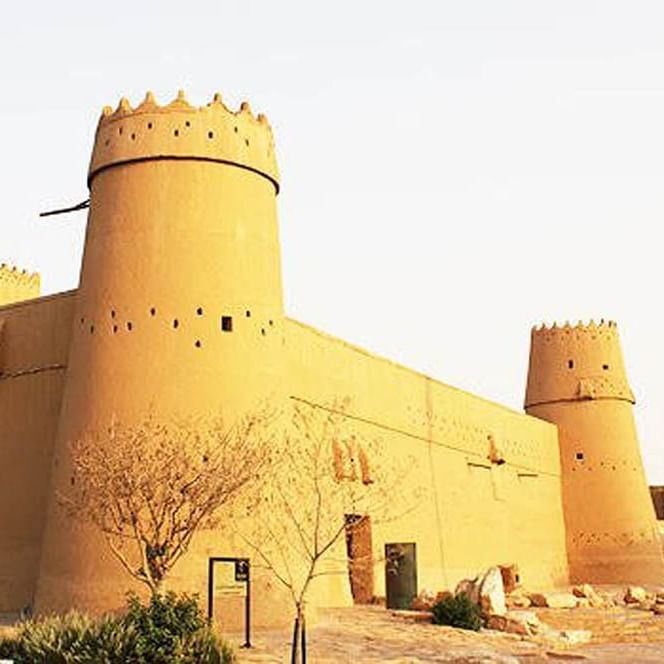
(577, 381)
(179, 310)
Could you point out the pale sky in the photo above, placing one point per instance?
(453, 172)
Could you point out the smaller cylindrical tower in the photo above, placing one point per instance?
(577, 381)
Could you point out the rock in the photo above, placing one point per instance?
(516, 627)
(517, 601)
(424, 601)
(565, 655)
(646, 605)
(586, 591)
(658, 609)
(492, 593)
(413, 616)
(599, 602)
(582, 603)
(496, 622)
(575, 637)
(634, 595)
(469, 587)
(523, 625)
(553, 600)
(510, 574)
(441, 595)
(523, 622)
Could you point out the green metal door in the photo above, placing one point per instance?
(400, 575)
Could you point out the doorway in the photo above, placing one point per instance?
(360, 557)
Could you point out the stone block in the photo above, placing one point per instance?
(553, 600)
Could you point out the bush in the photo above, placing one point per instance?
(169, 630)
(163, 625)
(459, 611)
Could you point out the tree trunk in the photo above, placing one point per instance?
(296, 638)
(303, 631)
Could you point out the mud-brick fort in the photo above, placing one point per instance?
(180, 308)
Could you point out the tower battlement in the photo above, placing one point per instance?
(179, 130)
(576, 363)
(16, 285)
(553, 331)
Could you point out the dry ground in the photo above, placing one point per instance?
(367, 635)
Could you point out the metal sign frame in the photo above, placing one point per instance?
(242, 575)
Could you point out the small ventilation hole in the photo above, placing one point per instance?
(187, 124)
(120, 130)
(149, 125)
(198, 343)
(92, 329)
(235, 129)
(271, 322)
(153, 311)
(176, 132)
(176, 323)
(227, 323)
(246, 142)
(133, 137)
(130, 326)
(115, 329)
(579, 456)
(199, 311)
(210, 134)
(263, 331)
(112, 313)
(570, 364)
(605, 367)
(247, 313)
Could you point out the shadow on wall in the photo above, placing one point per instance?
(657, 495)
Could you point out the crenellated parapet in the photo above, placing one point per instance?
(179, 130)
(576, 363)
(17, 285)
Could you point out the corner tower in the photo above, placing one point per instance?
(17, 285)
(577, 381)
(179, 311)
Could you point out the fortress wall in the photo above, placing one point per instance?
(34, 341)
(474, 513)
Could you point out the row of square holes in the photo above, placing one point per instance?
(580, 456)
(570, 365)
(226, 323)
(176, 133)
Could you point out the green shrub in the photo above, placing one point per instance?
(205, 647)
(163, 625)
(457, 611)
(169, 630)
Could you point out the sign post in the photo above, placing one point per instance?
(236, 582)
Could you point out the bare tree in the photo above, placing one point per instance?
(327, 477)
(150, 487)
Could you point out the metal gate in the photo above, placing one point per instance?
(400, 575)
